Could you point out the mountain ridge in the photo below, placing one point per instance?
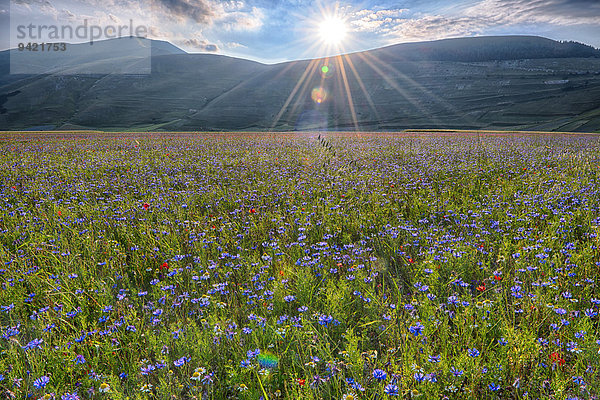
(480, 82)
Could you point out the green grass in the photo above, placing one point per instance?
(371, 234)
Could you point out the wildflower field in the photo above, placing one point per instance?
(339, 266)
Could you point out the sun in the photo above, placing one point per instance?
(333, 30)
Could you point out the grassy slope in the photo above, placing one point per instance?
(208, 92)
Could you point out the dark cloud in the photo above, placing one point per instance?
(485, 14)
(201, 11)
(4, 25)
(202, 45)
(561, 12)
(31, 2)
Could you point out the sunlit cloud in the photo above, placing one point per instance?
(375, 20)
(278, 30)
(435, 27)
(234, 45)
(202, 45)
(241, 20)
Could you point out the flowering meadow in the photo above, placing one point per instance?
(333, 266)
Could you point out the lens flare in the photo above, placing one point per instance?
(326, 71)
(318, 95)
(268, 360)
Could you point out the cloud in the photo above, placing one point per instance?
(199, 44)
(486, 14)
(233, 15)
(32, 2)
(374, 21)
(157, 33)
(436, 27)
(235, 45)
(44, 6)
(67, 15)
(242, 20)
(559, 12)
(201, 11)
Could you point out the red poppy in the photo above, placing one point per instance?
(59, 213)
(557, 359)
(481, 287)
(146, 206)
(301, 382)
(497, 277)
(252, 211)
(164, 266)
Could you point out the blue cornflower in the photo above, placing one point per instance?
(355, 385)
(252, 353)
(434, 359)
(208, 379)
(181, 361)
(379, 374)
(578, 380)
(391, 389)
(456, 372)
(148, 369)
(289, 299)
(419, 377)
(70, 396)
(79, 359)
(473, 352)
(41, 382)
(493, 387)
(35, 343)
(416, 329)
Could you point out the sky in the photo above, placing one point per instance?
(273, 31)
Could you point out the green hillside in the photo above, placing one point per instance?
(515, 82)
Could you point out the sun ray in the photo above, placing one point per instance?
(344, 79)
(445, 104)
(362, 86)
(302, 97)
(394, 85)
(293, 93)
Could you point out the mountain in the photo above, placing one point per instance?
(504, 82)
